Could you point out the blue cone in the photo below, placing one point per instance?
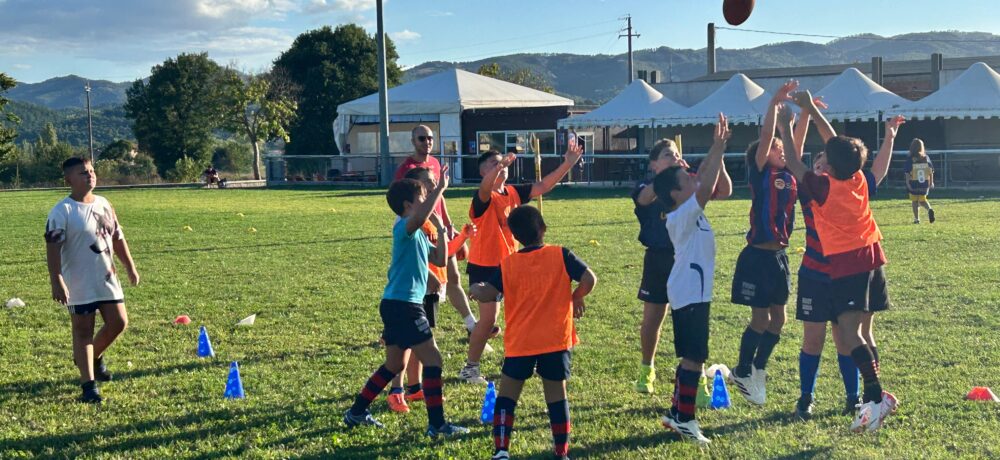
(720, 394)
(204, 345)
(489, 403)
(234, 386)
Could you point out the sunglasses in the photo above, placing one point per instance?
(425, 138)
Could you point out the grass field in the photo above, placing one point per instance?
(314, 271)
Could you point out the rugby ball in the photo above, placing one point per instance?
(737, 12)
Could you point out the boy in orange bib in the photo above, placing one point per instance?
(541, 306)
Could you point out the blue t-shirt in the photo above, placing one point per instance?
(652, 220)
(408, 269)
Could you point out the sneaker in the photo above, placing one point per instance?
(916, 221)
(804, 408)
(91, 396)
(647, 375)
(397, 403)
(501, 455)
(447, 430)
(930, 215)
(101, 373)
(885, 408)
(418, 396)
(352, 420)
(746, 386)
(470, 373)
(851, 406)
(688, 430)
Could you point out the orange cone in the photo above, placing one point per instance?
(982, 394)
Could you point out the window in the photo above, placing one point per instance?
(520, 141)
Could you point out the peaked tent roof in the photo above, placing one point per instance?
(636, 104)
(742, 100)
(452, 91)
(854, 96)
(974, 94)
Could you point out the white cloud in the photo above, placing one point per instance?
(342, 6)
(22, 66)
(404, 35)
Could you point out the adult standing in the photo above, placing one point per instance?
(422, 138)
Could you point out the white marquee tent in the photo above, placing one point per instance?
(854, 96)
(638, 103)
(742, 100)
(973, 94)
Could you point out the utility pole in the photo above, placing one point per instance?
(629, 34)
(90, 122)
(383, 103)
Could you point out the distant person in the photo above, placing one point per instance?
(422, 138)
(81, 234)
(542, 305)
(919, 179)
(211, 176)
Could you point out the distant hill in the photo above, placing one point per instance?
(66, 92)
(599, 77)
(110, 124)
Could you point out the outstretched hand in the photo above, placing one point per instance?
(721, 134)
(508, 160)
(785, 116)
(445, 177)
(892, 125)
(783, 93)
(573, 153)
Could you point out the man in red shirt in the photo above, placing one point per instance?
(422, 138)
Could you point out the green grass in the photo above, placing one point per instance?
(315, 270)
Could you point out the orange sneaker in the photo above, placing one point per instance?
(418, 396)
(397, 403)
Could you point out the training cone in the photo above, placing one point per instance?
(182, 320)
(982, 394)
(248, 321)
(704, 398)
(489, 402)
(204, 344)
(720, 394)
(234, 386)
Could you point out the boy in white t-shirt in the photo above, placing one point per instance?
(81, 234)
(689, 286)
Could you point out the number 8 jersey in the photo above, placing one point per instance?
(690, 280)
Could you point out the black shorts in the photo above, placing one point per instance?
(762, 278)
(656, 266)
(431, 302)
(691, 331)
(550, 366)
(867, 292)
(404, 324)
(90, 308)
(479, 274)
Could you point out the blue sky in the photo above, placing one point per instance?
(120, 40)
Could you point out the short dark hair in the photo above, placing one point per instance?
(486, 156)
(415, 173)
(666, 182)
(659, 147)
(73, 162)
(527, 225)
(400, 192)
(845, 155)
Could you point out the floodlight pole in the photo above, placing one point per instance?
(90, 122)
(383, 102)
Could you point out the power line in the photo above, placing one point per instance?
(473, 45)
(890, 39)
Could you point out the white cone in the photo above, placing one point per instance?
(248, 321)
(15, 302)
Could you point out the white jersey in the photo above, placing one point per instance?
(87, 232)
(690, 280)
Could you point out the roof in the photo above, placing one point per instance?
(973, 94)
(637, 103)
(453, 91)
(742, 100)
(854, 96)
(889, 68)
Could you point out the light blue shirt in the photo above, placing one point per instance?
(408, 269)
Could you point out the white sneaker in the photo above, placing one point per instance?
(866, 412)
(747, 387)
(471, 375)
(688, 430)
(759, 377)
(885, 408)
(501, 455)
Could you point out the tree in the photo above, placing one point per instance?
(258, 106)
(175, 113)
(523, 77)
(7, 120)
(118, 150)
(331, 67)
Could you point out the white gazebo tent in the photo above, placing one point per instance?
(742, 100)
(638, 103)
(442, 96)
(854, 96)
(973, 94)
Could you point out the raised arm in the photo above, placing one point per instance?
(425, 209)
(573, 154)
(880, 166)
(440, 255)
(767, 131)
(792, 162)
(805, 101)
(488, 184)
(708, 172)
(724, 188)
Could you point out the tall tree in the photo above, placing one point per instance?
(7, 119)
(523, 77)
(258, 106)
(331, 66)
(176, 111)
